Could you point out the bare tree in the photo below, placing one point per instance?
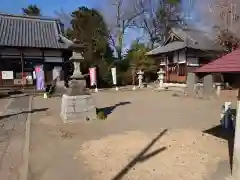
(64, 17)
(157, 19)
(120, 17)
(222, 16)
(148, 21)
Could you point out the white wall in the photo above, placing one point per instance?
(182, 56)
(175, 57)
(193, 61)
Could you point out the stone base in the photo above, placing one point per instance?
(77, 108)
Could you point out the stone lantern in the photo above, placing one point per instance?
(140, 74)
(77, 84)
(161, 78)
(77, 102)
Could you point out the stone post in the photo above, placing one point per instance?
(191, 81)
(218, 89)
(208, 89)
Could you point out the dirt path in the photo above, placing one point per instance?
(12, 137)
(101, 149)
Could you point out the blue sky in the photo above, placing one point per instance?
(49, 7)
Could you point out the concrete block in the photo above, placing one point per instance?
(77, 108)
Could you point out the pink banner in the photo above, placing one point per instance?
(93, 76)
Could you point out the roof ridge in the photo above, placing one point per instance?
(30, 17)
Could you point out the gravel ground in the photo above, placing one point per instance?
(100, 150)
(179, 154)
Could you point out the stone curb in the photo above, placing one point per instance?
(23, 173)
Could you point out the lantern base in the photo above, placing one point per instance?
(77, 108)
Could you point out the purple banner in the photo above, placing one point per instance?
(39, 78)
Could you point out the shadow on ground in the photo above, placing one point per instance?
(220, 132)
(23, 112)
(108, 110)
(141, 157)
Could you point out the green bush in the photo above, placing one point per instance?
(101, 115)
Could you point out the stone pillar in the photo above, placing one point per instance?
(218, 89)
(191, 81)
(208, 89)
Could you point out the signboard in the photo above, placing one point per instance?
(7, 75)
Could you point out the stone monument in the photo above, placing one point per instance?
(191, 84)
(161, 78)
(208, 88)
(77, 103)
(140, 78)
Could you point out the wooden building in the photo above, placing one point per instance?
(26, 42)
(184, 50)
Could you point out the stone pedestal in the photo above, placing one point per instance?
(77, 108)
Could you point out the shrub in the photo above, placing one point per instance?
(101, 115)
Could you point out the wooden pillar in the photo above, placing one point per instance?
(236, 151)
(167, 69)
(186, 64)
(22, 68)
(43, 65)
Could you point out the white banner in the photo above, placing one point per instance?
(93, 76)
(114, 75)
(56, 72)
(7, 74)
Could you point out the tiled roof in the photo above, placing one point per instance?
(172, 46)
(197, 39)
(227, 63)
(27, 31)
(189, 38)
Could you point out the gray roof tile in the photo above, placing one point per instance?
(191, 38)
(27, 31)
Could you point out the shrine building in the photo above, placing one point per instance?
(26, 42)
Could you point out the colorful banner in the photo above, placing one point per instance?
(93, 76)
(39, 77)
(114, 75)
